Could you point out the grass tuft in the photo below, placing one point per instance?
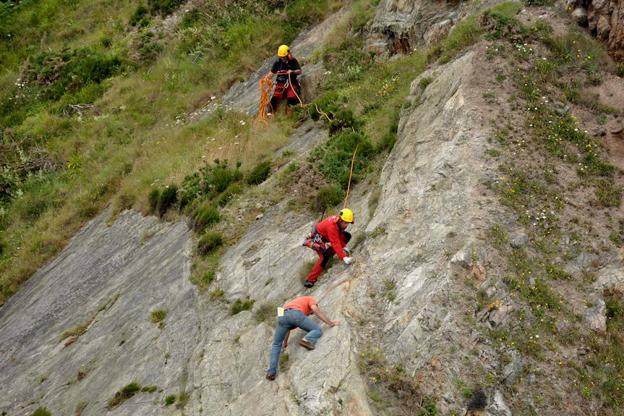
(124, 394)
(240, 305)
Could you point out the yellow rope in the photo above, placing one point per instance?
(344, 205)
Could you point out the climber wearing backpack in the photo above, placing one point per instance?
(293, 315)
(286, 67)
(329, 237)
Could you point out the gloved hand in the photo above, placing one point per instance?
(347, 260)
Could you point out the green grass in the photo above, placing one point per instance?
(401, 392)
(124, 394)
(128, 143)
(209, 242)
(259, 173)
(240, 305)
(158, 316)
(265, 312)
(464, 34)
(170, 399)
(42, 411)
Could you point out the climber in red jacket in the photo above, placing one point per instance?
(329, 237)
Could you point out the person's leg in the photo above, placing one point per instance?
(314, 331)
(274, 103)
(317, 269)
(327, 255)
(283, 326)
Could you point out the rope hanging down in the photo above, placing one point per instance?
(346, 200)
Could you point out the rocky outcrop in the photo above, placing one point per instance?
(397, 297)
(605, 20)
(80, 329)
(399, 26)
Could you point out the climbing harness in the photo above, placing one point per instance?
(315, 241)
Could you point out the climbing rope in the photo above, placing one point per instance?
(346, 200)
(294, 90)
(266, 85)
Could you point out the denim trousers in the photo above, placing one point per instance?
(292, 319)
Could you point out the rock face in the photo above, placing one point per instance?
(107, 281)
(397, 298)
(400, 25)
(605, 19)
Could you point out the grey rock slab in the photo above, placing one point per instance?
(112, 276)
(513, 369)
(498, 407)
(596, 318)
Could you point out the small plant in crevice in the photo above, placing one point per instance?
(41, 411)
(124, 394)
(265, 312)
(170, 399)
(240, 305)
(158, 317)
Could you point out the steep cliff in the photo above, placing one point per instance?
(487, 246)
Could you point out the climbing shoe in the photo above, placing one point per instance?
(306, 344)
(270, 376)
(308, 284)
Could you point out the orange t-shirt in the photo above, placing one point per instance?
(303, 304)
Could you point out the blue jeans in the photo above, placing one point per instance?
(292, 319)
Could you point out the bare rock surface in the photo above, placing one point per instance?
(605, 19)
(399, 296)
(108, 280)
(400, 26)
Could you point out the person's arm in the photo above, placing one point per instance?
(336, 242)
(297, 70)
(317, 311)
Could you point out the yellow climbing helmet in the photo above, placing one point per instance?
(282, 51)
(346, 215)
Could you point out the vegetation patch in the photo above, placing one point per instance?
(158, 317)
(266, 312)
(259, 173)
(392, 387)
(240, 305)
(42, 411)
(209, 242)
(124, 394)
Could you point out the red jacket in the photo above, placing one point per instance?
(329, 230)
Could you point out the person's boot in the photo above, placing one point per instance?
(308, 284)
(270, 376)
(306, 344)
